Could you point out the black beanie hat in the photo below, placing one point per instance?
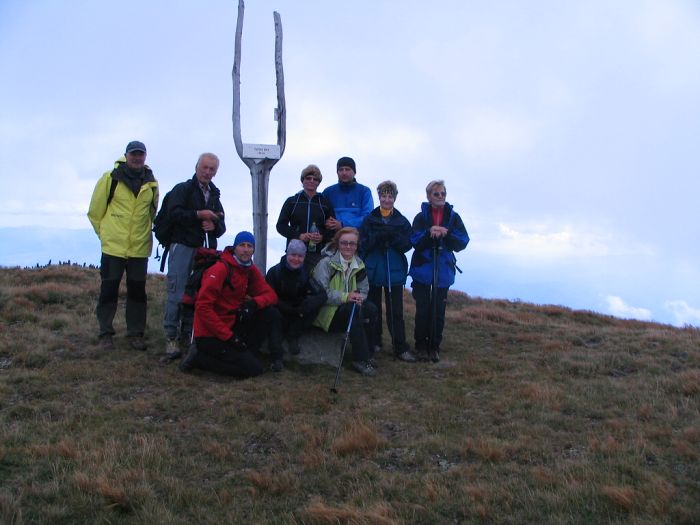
(346, 161)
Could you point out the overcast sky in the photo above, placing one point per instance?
(566, 131)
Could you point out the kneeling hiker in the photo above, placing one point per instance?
(232, 289)
(300, 298)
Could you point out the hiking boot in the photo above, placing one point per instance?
(406, 356)
(293, 345)
(187, 362)
(372, 362)
(422, 354)
(137, 342)
(364, 368)
(277, 365)
(106, 342)
(435, 355)
(172, 350)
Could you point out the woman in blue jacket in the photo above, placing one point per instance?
(385, 237)
(438, 232)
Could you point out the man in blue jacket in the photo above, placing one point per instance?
(438, 232)
(195, 208)
(351, 200)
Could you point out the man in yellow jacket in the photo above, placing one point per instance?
(121, 212)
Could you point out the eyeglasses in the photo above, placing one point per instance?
(311, 177)
(347, 243)
(439, 194)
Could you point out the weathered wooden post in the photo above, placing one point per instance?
(260, 158)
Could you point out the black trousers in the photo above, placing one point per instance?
(424, 316)
(361, 329)
(111, 271)
(395, 323)
(277, 325)
(225, 358)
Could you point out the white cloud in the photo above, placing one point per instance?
(543, 242)
(496, 135)
(683, 313)
(618, 308)
(323, 129)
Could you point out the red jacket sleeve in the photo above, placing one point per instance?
(259, 290)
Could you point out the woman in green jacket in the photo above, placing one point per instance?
(342, 274)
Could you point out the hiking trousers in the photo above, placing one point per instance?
(395, 325)
(277, 326)
(180, 257)
(361, 329)
(111, 271)
(223, 357)
(424, 315)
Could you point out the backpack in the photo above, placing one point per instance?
(203, 259)
(163, 229)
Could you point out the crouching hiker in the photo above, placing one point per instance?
(343, 276)
(300, 298)
(232, 289)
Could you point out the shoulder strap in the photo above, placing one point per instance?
(229, 272)
(162, 258)
(112, 187)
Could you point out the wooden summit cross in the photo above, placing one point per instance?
(260, 158)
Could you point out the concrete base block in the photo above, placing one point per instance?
(320, 348)
(317, 348)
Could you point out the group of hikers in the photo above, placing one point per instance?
(342, 254)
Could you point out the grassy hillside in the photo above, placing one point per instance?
(536, 414)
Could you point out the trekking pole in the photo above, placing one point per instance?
(342, 352)
(433, 299)
(390, 304)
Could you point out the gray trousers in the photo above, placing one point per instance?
(180, 259)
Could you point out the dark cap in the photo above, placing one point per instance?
(135, 145)
(346, 161)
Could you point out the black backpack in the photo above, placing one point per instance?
(163, 229)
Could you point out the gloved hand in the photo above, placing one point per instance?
(383, 233)
(236, 343)
(246, 311)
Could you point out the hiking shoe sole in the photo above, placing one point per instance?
(364, 368)
(406, 357)
(137, 343)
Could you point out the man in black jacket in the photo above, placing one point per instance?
(300, 297)
(195, 208)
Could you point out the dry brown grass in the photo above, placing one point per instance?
(623, 497)
(319, 513)
(271, 482)
(535, 414)
(359, 437)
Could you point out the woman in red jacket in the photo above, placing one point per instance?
(232, 289)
